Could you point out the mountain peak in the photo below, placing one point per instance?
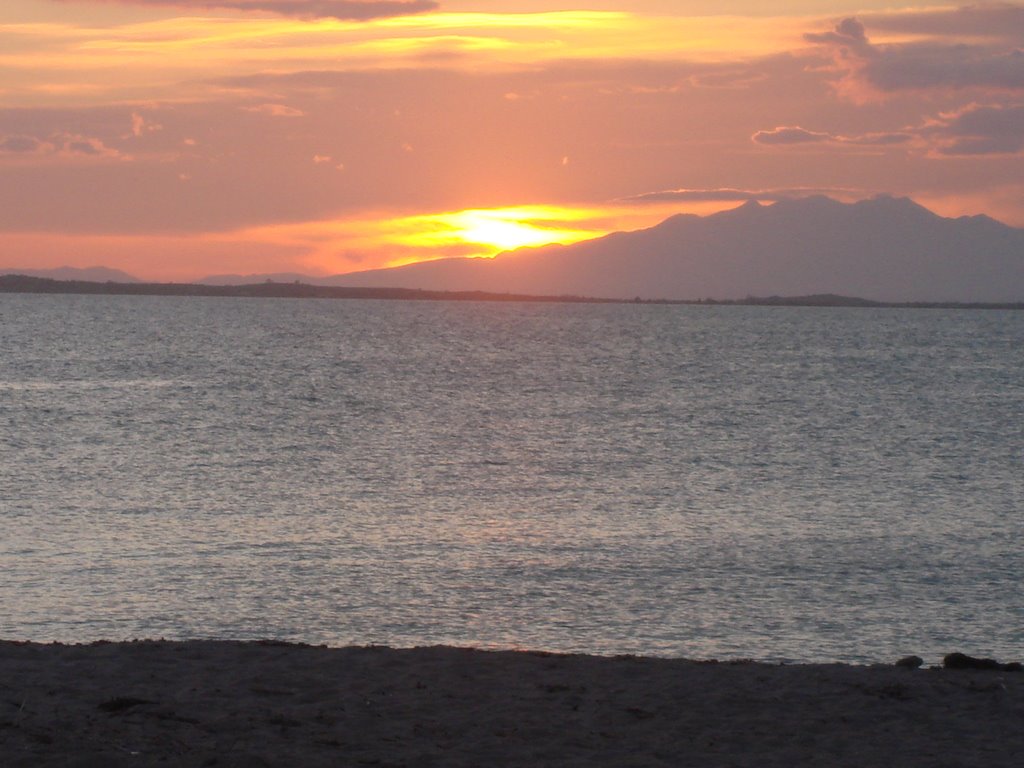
(749, 209)
(901, 205)
(884, 248)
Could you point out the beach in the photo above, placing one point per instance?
(219, 703)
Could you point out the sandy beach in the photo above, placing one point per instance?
(206, 703)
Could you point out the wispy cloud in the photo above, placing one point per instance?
(976, 129)
(175, 57)
(729, 194)
(790, 135)
(345, 10)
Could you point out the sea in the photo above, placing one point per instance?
(775, 483)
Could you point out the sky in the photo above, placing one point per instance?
(176, 139)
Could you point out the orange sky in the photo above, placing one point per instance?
(180, 138)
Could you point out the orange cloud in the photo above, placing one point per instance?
(176, 57)
(359, 10)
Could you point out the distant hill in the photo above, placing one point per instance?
(884, 249)
(89, 274)
(292, 290)
(268, 277)
(298, 290)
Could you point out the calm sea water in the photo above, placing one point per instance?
(776, 483)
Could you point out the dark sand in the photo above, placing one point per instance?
(252, 704)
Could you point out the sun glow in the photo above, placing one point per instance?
(502, 229)
(378, 239)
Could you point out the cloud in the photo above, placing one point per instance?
(61, 145)
(727, 194)
(848, 34)
(140, 125)
(993, 20)
(868, 69)
(328, 160)
(979, 130)
(992, 129)
(790, 135)
(346, 10)
(276, 110)
(24, 145)
(74, 145)
(971, 55)
(880, 139)
(946, 66)
(730, 79)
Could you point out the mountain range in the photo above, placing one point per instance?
(885, 249)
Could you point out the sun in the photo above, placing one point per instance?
(380, 240)
(504, 235)
(509, 228)
(485, 232)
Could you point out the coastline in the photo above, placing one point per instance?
(16, 283)
(230, 703)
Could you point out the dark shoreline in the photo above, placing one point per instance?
(14, 283)
(226, 703)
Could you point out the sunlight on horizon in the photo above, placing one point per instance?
(493, 230)
(385, 242)
(371, 240)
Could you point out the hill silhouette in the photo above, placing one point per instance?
(811, 252)
(88, 274)
(884, 249)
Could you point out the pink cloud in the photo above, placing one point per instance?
(979, 130)
(920, 66)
